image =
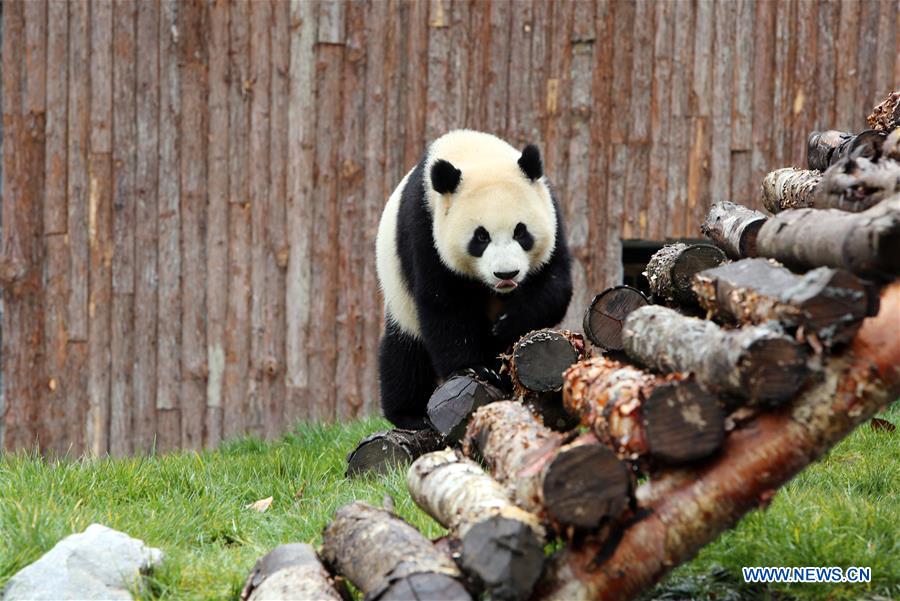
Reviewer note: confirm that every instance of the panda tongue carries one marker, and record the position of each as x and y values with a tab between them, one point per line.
506	284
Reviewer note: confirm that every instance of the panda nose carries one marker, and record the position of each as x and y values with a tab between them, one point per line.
506	275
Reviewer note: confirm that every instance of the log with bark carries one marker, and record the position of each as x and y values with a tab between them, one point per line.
825	148
386	558
606	314
644	416
866	243
292	571
671	270
499	544
886	116
686	509
455	400
381	452
789	188
857	183
759	364
536	365
733	228
579	483
826	303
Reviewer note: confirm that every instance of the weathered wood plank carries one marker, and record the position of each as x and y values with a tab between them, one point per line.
849	114
499	56
804	82
870	90
679	150
886	53
785	50
521	119
655	202
722	96
698	174
635	219
415	93
763	89
827	28
55	212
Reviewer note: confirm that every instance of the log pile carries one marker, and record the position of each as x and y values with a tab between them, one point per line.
762	351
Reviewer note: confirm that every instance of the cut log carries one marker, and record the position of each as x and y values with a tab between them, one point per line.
759	364
606	314
866	243
789	188
671	270
500	545
579	483
687	509
856	184
826	303
733	228
386	558
382	451
886	116
291	571
642	415
536	367
455	400
825	148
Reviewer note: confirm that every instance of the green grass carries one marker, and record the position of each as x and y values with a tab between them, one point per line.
842	511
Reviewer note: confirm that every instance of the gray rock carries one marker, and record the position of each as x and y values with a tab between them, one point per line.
99	563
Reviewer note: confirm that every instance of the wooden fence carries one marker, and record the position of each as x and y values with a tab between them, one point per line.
191	189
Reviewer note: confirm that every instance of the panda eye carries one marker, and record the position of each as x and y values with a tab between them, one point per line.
520	231
482	235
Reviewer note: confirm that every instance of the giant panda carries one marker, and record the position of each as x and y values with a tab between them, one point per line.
470	255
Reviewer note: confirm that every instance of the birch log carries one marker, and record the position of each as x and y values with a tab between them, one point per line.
856	184
825	148
759	364
643	415
886	116
687	509
579	483
382	451
866	243
789	188
291	571
733	228
387	559
672	268
826	303
455	400
606	314
500	545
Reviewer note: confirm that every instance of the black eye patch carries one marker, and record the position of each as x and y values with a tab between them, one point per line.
523	237
480	240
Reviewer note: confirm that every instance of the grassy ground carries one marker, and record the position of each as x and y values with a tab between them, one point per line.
843	511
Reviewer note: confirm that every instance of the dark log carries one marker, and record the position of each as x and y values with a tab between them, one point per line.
757	363
866	243
500	545
687	509
386	558
789	188
579	483
291	571
671	270
733	228
455	400
607	312
886	116
825	148
826	303
857	183
382	451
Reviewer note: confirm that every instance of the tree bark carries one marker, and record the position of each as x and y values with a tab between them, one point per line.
642	415
455	400
291	571
825	148
671	270
866	243
501	545
382	451
579	483
606	314
386	558
856	184
827	304
789	188
733	228
687	509
758	364
886	116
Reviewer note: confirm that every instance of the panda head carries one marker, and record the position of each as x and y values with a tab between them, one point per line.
493	215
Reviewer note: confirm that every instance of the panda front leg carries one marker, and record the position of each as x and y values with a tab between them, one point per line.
407	378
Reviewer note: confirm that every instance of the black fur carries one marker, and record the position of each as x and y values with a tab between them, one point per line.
530	162
445	177
453	312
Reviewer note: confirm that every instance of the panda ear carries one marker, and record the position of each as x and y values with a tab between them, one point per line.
445	177
530	163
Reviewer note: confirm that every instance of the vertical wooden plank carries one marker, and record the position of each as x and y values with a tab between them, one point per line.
656	217
679	148
634	224
499	51
781	76
886	53
237	334
558	100
763	89
143	415
217	219
477	38
168	365
722	90
415	91
350	359
826	56
701	120
522	125
742	102
848	113
867	61
57	98
437	117
124	150
300	178
100	228
804	82
193	75
457	101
